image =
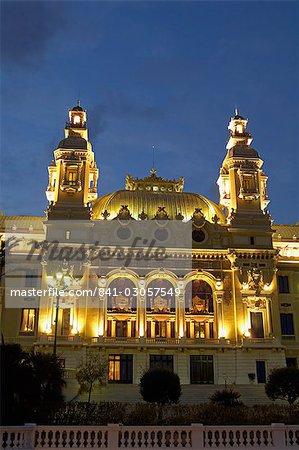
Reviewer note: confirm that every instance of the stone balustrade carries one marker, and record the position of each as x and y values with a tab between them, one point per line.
114	436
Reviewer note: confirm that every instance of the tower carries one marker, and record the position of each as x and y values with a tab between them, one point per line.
242	183
73	173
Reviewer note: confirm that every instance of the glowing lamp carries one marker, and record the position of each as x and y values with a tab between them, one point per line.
76	120
50	280
59	276
67	280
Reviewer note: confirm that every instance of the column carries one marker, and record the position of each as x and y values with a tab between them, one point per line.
102	321
141	310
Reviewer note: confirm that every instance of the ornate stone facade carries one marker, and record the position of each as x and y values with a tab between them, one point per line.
237	308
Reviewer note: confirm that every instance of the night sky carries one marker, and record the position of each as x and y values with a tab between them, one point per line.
167	74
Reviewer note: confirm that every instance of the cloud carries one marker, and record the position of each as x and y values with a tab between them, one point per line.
26	28
116	105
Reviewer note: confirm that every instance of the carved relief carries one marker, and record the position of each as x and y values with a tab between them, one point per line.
255	303
124	213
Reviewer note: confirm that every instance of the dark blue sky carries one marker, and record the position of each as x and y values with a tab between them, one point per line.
149	73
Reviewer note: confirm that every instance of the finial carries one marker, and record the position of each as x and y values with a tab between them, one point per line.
78	103
236	111
153	148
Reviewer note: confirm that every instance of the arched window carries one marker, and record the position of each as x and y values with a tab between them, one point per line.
121	295
160	296
199	297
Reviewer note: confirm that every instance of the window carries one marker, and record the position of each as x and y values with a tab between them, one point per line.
257	327
251	240
160	329
30	280
120	369
28	321
66	322
199	298
201	369
283	284
164	361
261	371
291	362
287	324
72	177
121	328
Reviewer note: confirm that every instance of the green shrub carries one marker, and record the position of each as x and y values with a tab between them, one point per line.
226	397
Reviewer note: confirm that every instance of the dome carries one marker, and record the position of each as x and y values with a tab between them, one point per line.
73	143
77	108
148	202
243	151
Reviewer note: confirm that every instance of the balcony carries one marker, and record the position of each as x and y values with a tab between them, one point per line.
161	342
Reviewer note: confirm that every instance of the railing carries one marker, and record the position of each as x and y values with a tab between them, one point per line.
112	437
161	340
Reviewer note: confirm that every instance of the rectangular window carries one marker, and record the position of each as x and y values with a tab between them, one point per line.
257	326
251	240
287	324
261	371
165	361
201	369
28	321
109	328
149	329
160	329
72	177
121	328
66	322
30	280
187	330
120	369
291	362
199	330
133	328
172	329
283	284
211	325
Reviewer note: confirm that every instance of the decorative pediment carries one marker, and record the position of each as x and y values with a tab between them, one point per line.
256	303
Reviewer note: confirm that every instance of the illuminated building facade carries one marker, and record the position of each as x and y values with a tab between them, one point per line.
235	314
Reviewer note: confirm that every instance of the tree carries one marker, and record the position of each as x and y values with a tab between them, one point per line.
160	386
48	376
283	384
226	397
93	371
31	383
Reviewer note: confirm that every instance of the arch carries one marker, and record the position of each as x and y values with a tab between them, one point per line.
121	294
202	275
121	272
161	273
198	297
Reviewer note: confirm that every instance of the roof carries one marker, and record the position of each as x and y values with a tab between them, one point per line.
77	108
148	202
73	142
285	232
22	223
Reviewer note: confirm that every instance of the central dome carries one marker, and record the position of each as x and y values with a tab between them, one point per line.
146	196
